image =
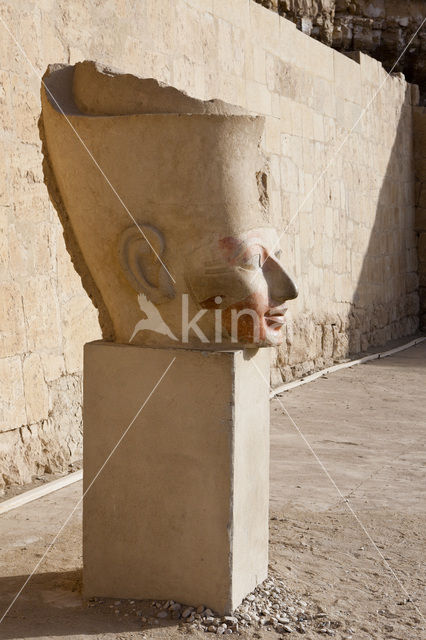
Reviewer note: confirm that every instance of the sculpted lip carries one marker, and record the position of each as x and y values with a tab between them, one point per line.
275	316
274	320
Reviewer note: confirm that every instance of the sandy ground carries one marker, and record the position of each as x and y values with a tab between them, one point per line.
348	518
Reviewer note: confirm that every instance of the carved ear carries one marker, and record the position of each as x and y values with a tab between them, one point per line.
140	252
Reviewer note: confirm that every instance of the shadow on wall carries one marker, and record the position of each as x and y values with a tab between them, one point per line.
375	260
419	136
385	305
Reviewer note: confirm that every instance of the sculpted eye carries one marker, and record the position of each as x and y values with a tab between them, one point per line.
253	262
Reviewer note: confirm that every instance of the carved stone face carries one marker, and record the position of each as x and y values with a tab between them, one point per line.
244	274
165	210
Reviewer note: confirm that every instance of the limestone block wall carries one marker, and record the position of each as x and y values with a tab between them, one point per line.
381	28
419	133
343	192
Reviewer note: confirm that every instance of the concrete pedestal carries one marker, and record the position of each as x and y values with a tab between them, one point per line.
180	511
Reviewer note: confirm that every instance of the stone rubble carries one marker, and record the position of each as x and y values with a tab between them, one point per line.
271	606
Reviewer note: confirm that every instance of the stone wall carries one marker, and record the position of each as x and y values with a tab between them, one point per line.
381	28
346	197
419	131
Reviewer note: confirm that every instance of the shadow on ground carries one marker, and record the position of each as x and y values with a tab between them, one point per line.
52	605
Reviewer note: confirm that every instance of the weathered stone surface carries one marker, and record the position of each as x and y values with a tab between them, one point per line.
412	304
419	143
423	300
65	398
355	341
381	29
41	312
47	446
79	320
412	282
35	389
420	223
327	341
340	344
422	247
12	334
12	400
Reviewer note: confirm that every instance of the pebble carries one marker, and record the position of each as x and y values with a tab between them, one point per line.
270	607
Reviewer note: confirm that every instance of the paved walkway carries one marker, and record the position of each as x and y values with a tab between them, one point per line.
366	426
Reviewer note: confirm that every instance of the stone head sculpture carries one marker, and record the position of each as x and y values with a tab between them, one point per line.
164	204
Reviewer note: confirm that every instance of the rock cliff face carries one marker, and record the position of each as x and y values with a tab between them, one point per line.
381	28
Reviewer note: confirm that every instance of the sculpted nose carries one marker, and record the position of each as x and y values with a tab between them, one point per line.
281	285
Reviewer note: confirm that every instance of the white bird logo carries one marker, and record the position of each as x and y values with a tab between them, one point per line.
153	320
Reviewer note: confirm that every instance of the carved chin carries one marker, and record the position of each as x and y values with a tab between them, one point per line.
274	336
270	331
